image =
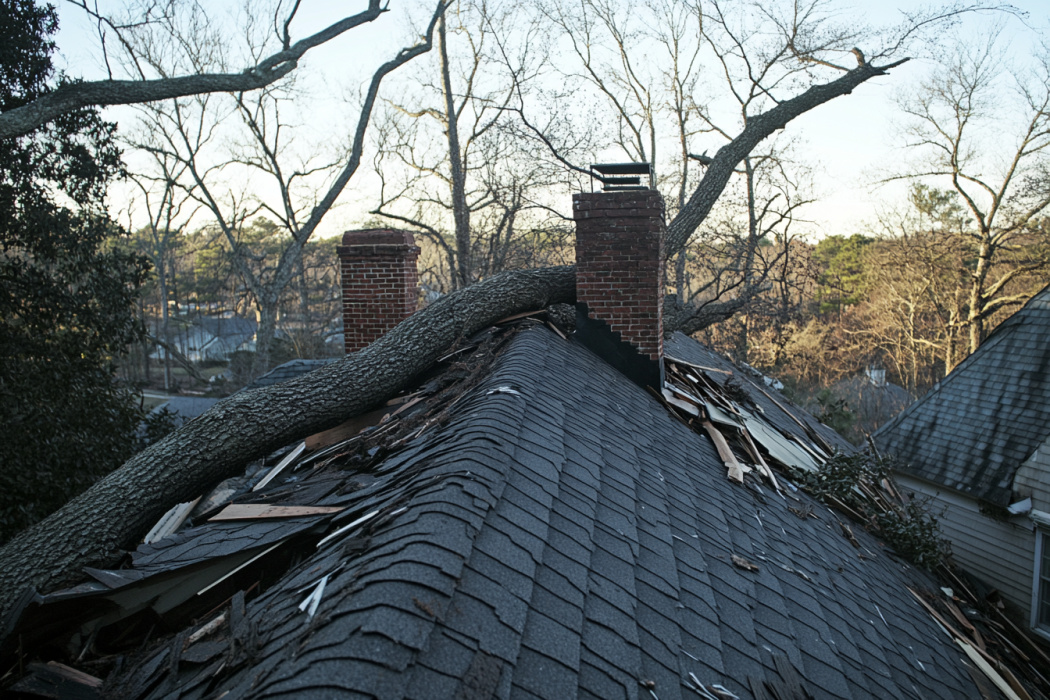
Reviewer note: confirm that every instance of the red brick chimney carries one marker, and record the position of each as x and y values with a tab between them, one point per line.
620	280
379	281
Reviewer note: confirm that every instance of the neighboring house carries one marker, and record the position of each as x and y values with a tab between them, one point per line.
213	338
979	444
872	399
530	522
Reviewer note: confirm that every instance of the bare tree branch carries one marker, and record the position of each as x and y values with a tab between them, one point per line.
71	96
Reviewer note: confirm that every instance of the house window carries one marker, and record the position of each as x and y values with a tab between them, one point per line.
1041	592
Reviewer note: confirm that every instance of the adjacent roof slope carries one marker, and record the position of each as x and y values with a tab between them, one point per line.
873	404
186	407
227	326
562	536
976	427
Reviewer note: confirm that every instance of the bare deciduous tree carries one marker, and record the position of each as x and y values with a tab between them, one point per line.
181	129
958	119
450	165
145	88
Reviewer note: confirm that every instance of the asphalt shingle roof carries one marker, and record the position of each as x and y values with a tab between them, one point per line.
567	538
974	429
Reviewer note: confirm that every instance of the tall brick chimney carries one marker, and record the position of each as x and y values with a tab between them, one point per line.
379	282
620	280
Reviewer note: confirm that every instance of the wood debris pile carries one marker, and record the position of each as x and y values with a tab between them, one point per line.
1014	663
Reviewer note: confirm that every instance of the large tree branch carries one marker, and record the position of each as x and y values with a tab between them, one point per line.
114	513
22	120
758	128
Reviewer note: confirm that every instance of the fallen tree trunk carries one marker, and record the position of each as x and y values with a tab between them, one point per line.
94	528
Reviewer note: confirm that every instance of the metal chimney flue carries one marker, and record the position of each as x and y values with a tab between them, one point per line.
617	177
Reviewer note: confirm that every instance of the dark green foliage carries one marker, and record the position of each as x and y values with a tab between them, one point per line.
856	481
841	281
65	293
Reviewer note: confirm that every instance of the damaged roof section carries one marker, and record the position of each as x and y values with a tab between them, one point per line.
538	528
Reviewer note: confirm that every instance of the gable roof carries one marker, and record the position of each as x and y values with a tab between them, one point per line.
974	429
559	536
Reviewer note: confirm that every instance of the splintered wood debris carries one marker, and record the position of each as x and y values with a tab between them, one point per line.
170	521
309	605
253	511
702	402
995	670
741	432
742	563
289	458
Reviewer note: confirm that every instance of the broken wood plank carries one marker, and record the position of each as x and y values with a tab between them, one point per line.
345	430
230	573
1035	647
992	674
975	634
288	459
171	521
258	511
956	634
401	399
686	406
762	466
736	473
806	430
515	317
696	366
74	675
346	528
405	406
668	386
207	629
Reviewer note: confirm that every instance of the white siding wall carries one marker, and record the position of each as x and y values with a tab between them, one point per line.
1000	553
1034	477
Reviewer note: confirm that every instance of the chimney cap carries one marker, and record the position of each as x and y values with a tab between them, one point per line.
378	236
621	176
